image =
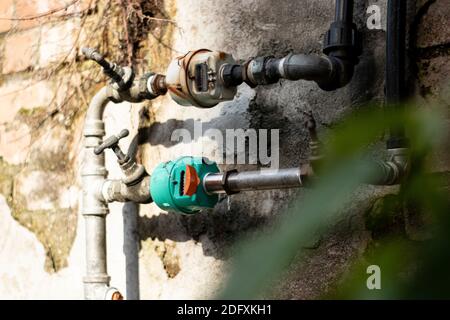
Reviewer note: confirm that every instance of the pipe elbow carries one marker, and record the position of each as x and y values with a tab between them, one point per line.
341	75
98	104
392	171
329	72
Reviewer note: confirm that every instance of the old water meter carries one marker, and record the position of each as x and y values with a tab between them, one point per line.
196	79
177	185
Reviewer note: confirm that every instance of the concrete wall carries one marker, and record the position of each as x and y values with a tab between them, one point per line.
154	254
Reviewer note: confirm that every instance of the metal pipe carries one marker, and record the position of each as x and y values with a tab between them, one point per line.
116	73
395	66
344	11
117	190
306	67
252	180
95	209
133	187
393	170
388	172
330	72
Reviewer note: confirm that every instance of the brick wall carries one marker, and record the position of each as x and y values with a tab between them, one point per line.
45	87
39	124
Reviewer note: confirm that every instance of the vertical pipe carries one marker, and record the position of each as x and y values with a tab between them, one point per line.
395	66
95	209
130	213
344	11
341	45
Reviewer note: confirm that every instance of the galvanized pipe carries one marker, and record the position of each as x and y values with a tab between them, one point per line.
117	190
307	67
252	180
95	209
133	187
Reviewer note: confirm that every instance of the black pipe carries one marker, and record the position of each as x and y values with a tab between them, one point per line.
341	38
330	72
344	11
341	45
395	67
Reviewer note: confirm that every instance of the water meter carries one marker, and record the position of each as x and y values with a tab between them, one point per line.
197	78
177	185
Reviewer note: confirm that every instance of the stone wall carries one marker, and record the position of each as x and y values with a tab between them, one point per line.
45	86
44	91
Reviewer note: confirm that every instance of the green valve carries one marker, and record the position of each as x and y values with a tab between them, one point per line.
177	186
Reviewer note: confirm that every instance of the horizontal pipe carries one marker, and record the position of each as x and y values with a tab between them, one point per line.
385	173
268	70
306	67
330	72
252	180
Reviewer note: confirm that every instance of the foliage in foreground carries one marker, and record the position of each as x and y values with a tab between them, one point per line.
261	261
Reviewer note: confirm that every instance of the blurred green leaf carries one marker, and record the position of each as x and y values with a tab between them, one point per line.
261	261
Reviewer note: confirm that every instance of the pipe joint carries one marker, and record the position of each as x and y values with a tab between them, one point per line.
99	289
233	74
341	74
394	169
93	128
263	71
117	190
329	72
147	87
341	40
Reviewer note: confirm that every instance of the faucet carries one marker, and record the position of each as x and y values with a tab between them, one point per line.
135	186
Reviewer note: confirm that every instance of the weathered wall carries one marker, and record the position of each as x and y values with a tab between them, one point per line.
153	254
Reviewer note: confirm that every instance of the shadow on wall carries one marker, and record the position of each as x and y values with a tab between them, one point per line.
222	227
160	133
281	106
224	224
